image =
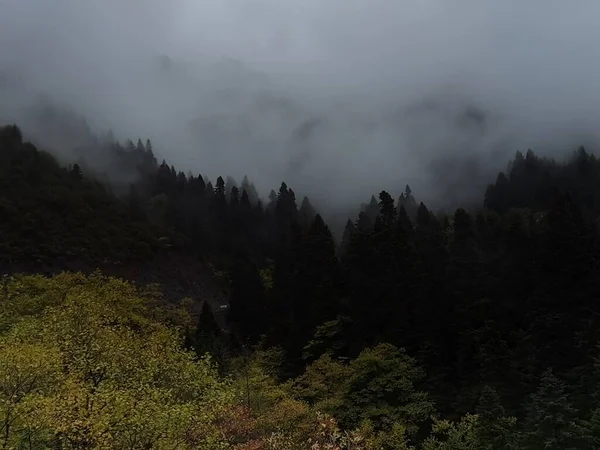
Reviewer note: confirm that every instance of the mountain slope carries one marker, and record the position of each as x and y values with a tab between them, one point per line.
53	218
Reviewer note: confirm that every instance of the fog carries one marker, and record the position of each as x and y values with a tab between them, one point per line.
339	98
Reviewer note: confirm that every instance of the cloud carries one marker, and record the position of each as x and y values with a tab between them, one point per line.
340	98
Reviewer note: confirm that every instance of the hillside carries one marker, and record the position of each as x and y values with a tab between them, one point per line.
55	218
476	329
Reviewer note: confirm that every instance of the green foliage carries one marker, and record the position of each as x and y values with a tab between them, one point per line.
550	423
464	300
448	435
266	276
494	429
92	368
53	214
379	386
328	338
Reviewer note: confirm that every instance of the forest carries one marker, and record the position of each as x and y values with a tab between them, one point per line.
170	311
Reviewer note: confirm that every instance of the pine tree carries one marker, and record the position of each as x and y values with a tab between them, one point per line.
207	325
272	200
591	430
550	421
247	308
129	146
408	202
387	210
346	237
234	199
245	202
306	213
230	183
139	147
495	431
207	332
220	217
372	209
250	189
76	172
465	282
316	280
219	190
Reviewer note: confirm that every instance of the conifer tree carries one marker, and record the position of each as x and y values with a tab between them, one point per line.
550	421
306	213
76	172
495	431
247	311
346	237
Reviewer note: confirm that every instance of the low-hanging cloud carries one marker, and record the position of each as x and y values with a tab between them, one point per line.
340	98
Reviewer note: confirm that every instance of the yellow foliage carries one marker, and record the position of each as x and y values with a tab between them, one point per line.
84	364
266	276
91	362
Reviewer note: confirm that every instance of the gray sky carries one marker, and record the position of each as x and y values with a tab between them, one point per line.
337	97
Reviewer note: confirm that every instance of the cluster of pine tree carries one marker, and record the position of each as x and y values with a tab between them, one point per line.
492	311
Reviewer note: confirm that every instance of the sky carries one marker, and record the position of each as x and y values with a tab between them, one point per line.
339	98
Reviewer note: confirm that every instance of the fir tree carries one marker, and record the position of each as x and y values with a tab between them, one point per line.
247	311
550	421
495	431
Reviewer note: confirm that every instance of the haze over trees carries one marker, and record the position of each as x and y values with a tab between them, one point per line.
475	329
312	93
276	225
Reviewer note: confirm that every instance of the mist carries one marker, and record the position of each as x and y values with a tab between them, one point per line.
339	98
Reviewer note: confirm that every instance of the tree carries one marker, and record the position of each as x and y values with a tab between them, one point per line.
234	200
372	209
346	237
229	185
26	371
247	307
139	147
495	431
447	435
467	312
387	211
76	172
207	325
315	281
285	209
382	388
408	202
250	190
306	213
219	190
219	209
93	368
550	421
379	386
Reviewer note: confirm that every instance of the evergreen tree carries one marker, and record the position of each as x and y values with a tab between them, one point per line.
387	210
139	147
550	421
149	147
346	237
372	209
247	309
230	183
250	189
495	431
234	199
76	172
315	281
306	213
207	325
